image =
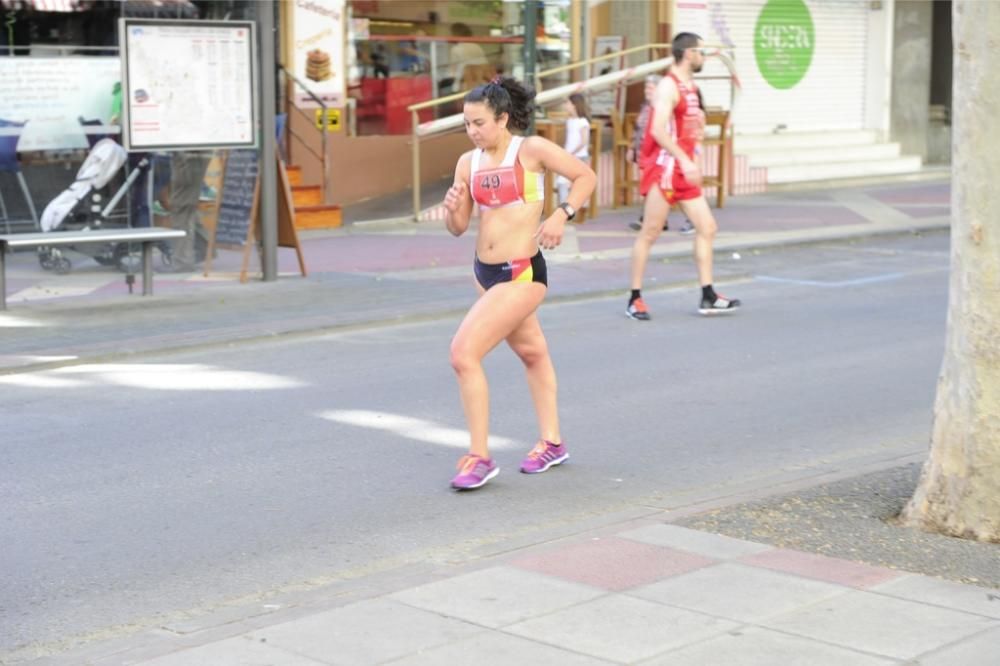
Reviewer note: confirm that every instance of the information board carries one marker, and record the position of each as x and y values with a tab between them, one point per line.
238	201
188	85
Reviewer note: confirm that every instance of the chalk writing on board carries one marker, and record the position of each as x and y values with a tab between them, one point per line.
236	206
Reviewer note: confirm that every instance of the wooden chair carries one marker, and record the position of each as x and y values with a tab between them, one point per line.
596	141
625	182
619	151
722	180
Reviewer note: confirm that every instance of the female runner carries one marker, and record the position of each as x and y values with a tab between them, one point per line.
504	176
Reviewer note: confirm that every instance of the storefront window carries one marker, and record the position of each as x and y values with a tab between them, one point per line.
403	52
62	161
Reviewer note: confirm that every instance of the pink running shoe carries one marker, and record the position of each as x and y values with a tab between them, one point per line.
474	471
544	455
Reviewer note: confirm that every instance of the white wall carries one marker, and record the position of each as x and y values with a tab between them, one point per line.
878	87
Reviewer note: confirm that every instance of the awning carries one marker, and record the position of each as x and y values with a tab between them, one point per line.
176	9
165	9
48	5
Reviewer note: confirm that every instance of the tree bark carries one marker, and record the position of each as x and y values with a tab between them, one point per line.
959	489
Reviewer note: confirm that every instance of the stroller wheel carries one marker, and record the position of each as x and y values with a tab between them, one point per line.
62	265
47	258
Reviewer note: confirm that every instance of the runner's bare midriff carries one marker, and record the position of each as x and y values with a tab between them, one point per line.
508	233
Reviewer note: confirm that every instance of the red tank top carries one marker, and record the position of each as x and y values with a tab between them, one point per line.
685	127
509	184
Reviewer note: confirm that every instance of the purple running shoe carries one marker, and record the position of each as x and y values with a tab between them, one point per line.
474	471
544	455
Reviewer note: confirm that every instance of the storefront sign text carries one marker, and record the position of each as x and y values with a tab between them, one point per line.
784	42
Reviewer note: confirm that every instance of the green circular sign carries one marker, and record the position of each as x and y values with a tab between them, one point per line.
783	42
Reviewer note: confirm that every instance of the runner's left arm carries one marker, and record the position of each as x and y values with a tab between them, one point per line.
548	156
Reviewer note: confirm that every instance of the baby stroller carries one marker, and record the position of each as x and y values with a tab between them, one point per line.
81	206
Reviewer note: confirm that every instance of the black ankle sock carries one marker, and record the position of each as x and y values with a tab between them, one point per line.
635	295
708	293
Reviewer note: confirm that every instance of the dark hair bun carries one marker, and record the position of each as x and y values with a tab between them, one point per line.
506	95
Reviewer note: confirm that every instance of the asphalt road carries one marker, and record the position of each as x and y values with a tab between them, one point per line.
138	491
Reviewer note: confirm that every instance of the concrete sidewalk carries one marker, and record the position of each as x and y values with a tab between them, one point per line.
638	592
625	588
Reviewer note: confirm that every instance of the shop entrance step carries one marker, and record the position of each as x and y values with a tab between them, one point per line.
307	195
319	216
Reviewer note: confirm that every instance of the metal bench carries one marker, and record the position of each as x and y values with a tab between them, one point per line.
146	236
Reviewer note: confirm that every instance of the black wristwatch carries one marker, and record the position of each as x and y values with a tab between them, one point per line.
569	210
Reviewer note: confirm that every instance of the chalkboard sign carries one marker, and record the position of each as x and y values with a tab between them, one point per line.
238	210
238	203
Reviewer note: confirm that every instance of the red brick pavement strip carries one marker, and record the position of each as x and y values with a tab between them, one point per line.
617	564
381	252
924	211
786	217
925	193
820	567
612	563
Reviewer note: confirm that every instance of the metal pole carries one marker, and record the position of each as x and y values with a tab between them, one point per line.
432	127
415	151
434	69
3	276
530	54
268	167
150	196
147	268
324	161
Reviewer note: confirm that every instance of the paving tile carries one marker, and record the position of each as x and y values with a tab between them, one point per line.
980	650
367	632
493	648
820	567
239	651
621	628
497	596
881	625
738	592
611	563
968	598
695	541
754	646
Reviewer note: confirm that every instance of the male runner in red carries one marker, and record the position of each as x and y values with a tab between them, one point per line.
670	175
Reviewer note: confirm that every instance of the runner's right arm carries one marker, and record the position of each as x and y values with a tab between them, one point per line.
458	198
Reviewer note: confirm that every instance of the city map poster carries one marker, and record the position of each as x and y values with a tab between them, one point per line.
188	85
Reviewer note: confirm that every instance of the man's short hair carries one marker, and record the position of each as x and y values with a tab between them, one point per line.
682	42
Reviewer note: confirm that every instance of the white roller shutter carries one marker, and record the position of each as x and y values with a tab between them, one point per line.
830	96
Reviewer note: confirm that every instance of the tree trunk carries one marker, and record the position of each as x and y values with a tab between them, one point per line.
959	490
